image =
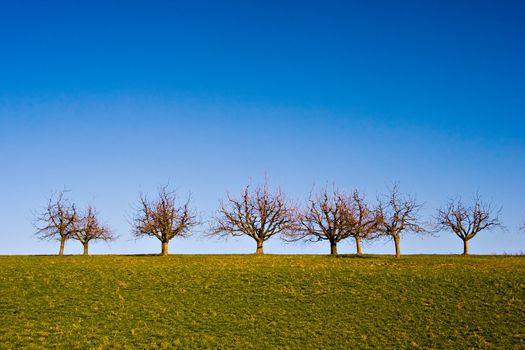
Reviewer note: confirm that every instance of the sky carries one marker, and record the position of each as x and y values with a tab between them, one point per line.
108	99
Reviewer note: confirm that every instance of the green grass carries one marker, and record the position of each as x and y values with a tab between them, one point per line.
251	301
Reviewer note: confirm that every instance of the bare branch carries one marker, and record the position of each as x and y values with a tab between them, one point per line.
162	218
467	221
398	214
335	216
57	220
362	221
257	213
88	227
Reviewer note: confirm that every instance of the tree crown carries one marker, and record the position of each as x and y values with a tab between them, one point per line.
163	218
466	221
58	219
259	214
398	213
89	227
326	216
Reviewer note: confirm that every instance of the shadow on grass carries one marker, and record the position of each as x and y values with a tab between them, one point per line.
354	256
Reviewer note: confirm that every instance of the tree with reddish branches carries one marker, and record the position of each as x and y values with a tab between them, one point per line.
259	213
88	228
163	218
325	218
362	221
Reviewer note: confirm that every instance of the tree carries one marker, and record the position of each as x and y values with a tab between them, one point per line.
361	221
325	218
467	221
88	228
57	220
398	214
259	214
163	218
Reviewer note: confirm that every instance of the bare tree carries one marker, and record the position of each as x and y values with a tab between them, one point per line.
325	218
163	218
398	214
57	220
362	221
259	214
88	228
467	221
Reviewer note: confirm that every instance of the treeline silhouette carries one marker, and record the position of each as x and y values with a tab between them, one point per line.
260	213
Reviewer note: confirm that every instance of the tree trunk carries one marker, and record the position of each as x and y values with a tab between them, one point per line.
358	245
465	247
164	251
398	249
259	248
62	243
333	248
86	248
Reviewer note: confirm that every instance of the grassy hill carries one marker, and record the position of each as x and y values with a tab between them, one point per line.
247	301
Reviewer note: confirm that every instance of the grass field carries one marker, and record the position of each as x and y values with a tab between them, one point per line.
247	301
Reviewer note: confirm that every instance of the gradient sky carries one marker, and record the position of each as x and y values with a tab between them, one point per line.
109	98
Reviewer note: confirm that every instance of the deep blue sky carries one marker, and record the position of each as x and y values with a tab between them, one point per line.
111	98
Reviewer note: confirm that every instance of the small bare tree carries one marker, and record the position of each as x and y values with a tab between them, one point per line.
362	221
325	218
57	220
259	214
163	218
88	228
467	221
398	214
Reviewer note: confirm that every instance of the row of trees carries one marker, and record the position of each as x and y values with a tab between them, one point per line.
259	213
61	220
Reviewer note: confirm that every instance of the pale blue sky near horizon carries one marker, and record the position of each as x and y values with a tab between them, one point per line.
108	99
